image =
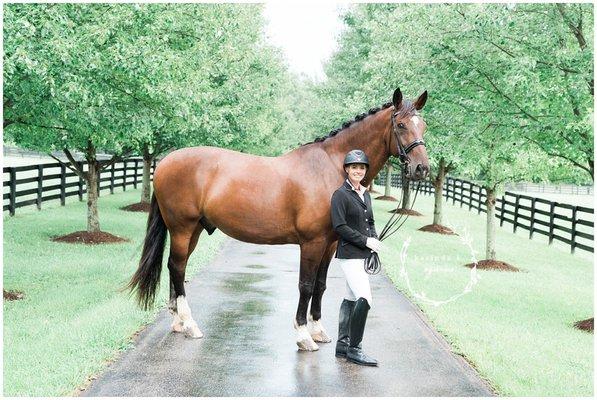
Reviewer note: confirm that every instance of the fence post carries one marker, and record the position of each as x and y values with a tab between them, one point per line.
124	175
99	181
80	187
40	182
532	227
62	184
112	179
516	205
502	210
552	208
573	233
447	185
135	174
13	189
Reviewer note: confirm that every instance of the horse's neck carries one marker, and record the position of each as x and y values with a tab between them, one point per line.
369	135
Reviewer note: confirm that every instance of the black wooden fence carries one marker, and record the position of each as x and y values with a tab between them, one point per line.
35	184
566	223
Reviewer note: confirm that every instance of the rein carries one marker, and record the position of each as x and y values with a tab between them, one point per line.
372	263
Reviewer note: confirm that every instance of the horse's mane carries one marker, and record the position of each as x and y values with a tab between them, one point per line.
406	108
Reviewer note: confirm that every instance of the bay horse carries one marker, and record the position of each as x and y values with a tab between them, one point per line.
269	200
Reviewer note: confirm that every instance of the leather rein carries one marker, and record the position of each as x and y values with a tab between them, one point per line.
372	263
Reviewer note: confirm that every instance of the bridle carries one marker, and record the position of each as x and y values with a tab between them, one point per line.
403	151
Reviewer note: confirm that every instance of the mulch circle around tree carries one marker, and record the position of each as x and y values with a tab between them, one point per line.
406	211
494	264
585	325
11	295
387	198
437	228
89	238
137	207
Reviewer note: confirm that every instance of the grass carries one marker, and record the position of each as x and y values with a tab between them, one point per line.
514	327
73	318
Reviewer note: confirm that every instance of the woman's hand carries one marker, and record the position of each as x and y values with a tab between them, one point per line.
374	244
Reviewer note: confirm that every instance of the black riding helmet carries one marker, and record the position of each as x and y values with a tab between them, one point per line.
356	157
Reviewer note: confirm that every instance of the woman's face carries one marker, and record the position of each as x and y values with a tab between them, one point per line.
356	172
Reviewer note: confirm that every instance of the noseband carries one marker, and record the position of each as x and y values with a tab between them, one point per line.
403	151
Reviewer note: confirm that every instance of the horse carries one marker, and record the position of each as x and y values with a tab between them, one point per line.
269	200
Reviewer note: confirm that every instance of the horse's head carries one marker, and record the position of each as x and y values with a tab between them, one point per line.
407	129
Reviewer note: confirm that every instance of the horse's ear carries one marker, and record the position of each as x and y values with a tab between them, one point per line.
397	98
420	102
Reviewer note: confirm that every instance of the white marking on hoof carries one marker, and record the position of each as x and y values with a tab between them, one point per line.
177	325
303	339
191	330
316	331
189	326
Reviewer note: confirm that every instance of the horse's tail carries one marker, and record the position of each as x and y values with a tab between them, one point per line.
147	277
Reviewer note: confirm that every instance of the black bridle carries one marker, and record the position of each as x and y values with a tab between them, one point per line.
403	151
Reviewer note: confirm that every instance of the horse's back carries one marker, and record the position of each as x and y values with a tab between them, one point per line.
246	196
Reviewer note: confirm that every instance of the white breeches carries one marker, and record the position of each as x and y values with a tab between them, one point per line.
357	280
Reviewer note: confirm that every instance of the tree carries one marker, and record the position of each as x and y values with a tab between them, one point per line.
142	78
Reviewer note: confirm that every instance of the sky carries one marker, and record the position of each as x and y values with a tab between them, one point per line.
306	32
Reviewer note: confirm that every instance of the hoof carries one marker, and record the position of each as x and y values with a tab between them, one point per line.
192	331
321	337
317	332
307	344
177	327
304	341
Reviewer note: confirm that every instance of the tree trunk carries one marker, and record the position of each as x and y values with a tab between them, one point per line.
405	190
438	184
388	191
93	224
490	203
146	184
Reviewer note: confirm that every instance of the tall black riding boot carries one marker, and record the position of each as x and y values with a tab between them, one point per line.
357	327
343	327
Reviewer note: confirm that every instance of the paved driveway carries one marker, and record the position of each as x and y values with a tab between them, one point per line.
244	302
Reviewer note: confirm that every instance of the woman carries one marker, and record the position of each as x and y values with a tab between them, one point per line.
352	220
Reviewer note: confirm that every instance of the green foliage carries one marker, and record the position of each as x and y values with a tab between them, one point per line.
136	75
510	86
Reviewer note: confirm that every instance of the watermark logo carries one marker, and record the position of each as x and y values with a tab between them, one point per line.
467	241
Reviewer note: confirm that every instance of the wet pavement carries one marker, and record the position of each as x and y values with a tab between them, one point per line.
245	302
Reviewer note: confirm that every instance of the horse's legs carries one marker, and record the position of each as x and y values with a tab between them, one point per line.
182	245
311	254
314	325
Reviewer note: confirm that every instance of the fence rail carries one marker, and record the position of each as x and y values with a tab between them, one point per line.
566	223
35	184
550	188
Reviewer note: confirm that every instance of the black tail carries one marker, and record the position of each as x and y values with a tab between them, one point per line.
147	277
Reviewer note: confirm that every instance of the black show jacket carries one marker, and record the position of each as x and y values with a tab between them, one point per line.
353	221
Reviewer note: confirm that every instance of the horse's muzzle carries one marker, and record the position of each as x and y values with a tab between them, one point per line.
420	172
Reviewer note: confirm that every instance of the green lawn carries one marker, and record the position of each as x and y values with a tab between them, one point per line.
73	319
515	327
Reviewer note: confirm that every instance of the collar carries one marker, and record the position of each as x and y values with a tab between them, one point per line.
361	192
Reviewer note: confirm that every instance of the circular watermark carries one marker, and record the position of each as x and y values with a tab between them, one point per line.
467	241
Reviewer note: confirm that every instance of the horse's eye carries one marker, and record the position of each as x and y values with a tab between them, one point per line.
401	125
